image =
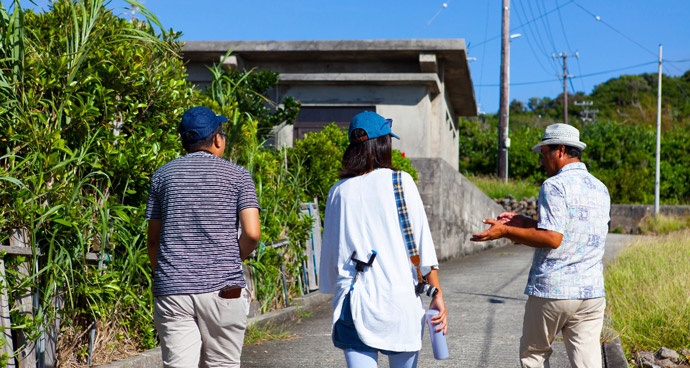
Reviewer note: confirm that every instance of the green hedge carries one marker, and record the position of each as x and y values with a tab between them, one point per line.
622	156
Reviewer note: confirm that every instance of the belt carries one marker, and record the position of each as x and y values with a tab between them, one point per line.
230	293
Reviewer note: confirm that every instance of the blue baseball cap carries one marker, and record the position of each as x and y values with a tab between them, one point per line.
200	120
373	124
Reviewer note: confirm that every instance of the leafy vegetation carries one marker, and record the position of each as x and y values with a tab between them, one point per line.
255	334
621	140
89	109
620	155
85	101
320	154
498	188
663	224
647	298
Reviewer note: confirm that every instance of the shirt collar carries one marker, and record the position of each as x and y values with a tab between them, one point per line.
573	166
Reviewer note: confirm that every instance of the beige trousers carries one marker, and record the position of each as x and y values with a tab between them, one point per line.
201	330
579	321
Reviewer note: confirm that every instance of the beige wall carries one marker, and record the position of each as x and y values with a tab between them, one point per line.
420	123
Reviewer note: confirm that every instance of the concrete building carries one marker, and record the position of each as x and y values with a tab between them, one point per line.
423	85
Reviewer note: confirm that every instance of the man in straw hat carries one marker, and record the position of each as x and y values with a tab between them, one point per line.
565	287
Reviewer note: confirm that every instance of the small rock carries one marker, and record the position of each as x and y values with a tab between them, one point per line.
665	353
666	363
645	359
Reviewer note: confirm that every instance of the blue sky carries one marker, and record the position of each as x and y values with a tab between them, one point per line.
611	38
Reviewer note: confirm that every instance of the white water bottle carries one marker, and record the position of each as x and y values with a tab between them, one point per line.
438	339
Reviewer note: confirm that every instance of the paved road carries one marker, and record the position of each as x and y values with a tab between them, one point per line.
483	294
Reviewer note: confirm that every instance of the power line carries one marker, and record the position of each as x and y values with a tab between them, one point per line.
486	30
567	43
443	7
573	77
615	70
598	18
546	24
537	41
524	24
565	34
676	61
520	83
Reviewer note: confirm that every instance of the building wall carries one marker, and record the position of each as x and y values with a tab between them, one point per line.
455	209
421	118
420	122
626	218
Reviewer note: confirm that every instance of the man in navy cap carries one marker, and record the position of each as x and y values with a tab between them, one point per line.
565	286
195	205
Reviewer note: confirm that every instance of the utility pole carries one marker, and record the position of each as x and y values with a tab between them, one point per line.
657	178
586	111
503	140
565	76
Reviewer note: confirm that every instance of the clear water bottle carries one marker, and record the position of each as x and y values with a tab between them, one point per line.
438	339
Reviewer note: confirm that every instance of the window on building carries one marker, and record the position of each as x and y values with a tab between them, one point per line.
314	118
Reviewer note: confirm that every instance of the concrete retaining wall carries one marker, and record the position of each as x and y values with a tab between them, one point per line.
455	208
625	218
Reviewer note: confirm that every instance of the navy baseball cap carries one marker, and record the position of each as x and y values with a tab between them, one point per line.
200	120
373	124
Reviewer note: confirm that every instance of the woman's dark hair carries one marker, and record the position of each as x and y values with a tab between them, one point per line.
190	145
361	157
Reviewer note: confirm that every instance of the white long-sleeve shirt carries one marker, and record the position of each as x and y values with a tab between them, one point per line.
361	216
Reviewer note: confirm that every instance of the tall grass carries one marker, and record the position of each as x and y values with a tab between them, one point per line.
498	188
663	224
648	293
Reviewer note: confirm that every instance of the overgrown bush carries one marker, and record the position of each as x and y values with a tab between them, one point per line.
319	156
89	103
620	155
89	108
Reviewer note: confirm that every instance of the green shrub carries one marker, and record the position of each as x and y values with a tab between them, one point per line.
478	146
663	224
89	108
319	157
497	188
622	156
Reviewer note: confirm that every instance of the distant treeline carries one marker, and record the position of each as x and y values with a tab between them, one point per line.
620	137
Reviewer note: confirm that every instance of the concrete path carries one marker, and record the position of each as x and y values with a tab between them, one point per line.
483	293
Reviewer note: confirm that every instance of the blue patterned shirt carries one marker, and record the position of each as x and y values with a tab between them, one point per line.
577	205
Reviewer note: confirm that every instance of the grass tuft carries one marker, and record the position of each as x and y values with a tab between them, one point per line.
647	288
496	188
255	334
663	224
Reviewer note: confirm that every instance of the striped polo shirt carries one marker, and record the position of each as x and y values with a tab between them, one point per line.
198	198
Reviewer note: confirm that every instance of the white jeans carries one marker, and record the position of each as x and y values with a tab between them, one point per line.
201	330
580	322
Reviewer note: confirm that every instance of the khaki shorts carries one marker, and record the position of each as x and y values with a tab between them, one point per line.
201	330
579	321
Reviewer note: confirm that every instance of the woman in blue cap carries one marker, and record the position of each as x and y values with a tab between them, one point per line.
365	261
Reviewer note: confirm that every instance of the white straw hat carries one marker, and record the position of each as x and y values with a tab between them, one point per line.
560	134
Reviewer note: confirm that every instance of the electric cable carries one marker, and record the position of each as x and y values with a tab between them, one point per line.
575	77
532	40
598	18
